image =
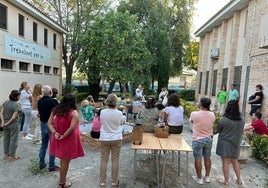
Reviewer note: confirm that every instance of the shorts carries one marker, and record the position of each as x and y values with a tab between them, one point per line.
202	147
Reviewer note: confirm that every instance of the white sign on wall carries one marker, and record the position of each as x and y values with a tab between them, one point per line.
20	49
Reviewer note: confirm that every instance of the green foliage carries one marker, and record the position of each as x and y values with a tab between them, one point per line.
34	168
114	49
266	182
82	88
188	95
68	88
217	119
191	55
259	147
81	96
166	27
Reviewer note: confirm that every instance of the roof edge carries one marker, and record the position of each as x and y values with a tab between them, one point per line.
37	13
221	15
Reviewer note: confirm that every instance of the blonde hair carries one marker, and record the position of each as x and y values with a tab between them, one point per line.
37	90
84	103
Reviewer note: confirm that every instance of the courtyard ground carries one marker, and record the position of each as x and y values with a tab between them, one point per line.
84	172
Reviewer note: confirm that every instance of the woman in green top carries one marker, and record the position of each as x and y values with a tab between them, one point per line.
222	97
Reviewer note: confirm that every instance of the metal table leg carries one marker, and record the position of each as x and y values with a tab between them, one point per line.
163	173
179	163
186	169
157	168
134	167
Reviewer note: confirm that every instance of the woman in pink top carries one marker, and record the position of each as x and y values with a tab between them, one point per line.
96	125
202	121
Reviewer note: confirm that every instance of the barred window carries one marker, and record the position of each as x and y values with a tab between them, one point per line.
3	16
215	76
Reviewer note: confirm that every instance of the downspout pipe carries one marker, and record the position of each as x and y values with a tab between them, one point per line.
249	59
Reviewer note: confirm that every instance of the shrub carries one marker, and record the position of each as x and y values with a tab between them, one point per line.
187	95
81	89
81	96
259	147
68	88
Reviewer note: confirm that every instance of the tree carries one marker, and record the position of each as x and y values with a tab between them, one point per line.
191	56
166	25
114	49
75	16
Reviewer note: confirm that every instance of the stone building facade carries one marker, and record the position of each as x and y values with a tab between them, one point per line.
234	49
30	47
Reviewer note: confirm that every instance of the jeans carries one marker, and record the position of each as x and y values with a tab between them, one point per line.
202	147
36	120
27	119
254	108
45	134
107	146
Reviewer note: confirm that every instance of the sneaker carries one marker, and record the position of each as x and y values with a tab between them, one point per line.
38	143
102	184
42	167
207	179
55	169
30	135
197	180
27	138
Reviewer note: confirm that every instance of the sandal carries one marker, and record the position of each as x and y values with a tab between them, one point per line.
223	182
6	157
13	158
115	184
239	182
64	185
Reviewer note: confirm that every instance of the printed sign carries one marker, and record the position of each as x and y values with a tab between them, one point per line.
20	49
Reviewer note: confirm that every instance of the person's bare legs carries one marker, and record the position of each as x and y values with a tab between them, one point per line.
207	165
236	168
198	167
64	166
225	169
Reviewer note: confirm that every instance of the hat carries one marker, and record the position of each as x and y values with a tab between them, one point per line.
160	106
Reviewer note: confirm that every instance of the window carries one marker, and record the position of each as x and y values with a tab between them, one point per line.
56	71
207	79
24	66
224	77
34	31
45	37
36	68
215	74
3	16
7	64
47	69
54	41
21	25
237	76
200	82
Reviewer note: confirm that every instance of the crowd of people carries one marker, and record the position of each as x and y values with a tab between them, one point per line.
56	126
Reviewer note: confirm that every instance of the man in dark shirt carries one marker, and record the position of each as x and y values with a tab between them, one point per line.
45	106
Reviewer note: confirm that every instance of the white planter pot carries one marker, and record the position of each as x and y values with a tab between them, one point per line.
244	152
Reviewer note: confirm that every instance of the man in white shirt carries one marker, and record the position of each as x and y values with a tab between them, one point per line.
139	91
